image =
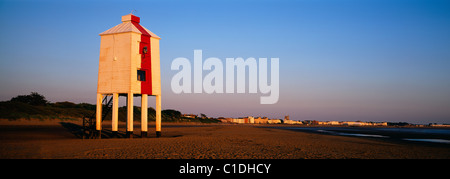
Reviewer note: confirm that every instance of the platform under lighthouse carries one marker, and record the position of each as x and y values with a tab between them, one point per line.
129	66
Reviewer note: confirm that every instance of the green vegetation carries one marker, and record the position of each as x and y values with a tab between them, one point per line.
35	106
33	99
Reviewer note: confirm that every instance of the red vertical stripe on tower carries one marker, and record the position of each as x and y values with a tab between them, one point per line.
146	61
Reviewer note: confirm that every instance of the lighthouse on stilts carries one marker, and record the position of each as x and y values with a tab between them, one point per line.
129	66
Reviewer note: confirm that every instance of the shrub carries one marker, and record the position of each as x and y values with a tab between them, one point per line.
33	99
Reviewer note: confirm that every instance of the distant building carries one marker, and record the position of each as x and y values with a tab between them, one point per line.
238	120
260	120
251	119
358	123
381	123
352	123
292	122
245	120
189	115
274	121
333	123
287	121
229	120
440	125
221	119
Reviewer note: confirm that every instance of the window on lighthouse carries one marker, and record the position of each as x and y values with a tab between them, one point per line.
141	75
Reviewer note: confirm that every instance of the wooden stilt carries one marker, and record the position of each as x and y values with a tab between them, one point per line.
144	117
158	115
130	115
98	116
115	114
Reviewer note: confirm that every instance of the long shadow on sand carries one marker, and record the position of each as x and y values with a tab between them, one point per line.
77	131
73	128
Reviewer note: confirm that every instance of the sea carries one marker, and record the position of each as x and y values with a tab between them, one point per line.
416	135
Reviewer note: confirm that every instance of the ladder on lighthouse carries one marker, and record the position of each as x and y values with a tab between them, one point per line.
89	122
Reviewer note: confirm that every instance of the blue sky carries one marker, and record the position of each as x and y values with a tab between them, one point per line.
368	60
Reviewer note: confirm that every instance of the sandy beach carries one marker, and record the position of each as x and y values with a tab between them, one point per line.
60	140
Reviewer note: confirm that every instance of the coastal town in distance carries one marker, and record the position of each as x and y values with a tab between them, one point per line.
286	120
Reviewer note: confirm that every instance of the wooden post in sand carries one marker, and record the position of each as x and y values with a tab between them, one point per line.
144	116
129	132
98	116
158	115
115	114
129	64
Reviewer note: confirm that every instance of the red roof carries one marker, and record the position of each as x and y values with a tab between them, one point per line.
130	23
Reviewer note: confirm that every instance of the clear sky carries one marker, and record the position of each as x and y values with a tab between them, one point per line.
368	60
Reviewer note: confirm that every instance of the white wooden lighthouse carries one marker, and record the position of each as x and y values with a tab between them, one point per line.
129	66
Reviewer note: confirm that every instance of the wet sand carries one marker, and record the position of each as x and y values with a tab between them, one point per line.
61	140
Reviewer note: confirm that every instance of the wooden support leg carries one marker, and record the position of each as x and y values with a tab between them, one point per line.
158	115
144	117
115	115
130	116
98	116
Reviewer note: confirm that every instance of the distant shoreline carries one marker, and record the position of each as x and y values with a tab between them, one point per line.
60	140
108	122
